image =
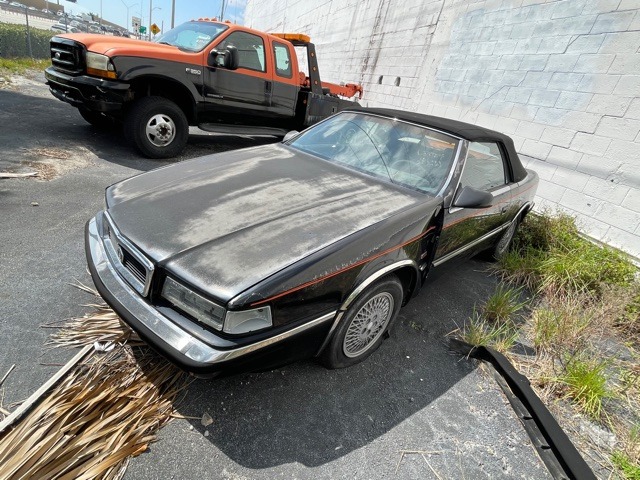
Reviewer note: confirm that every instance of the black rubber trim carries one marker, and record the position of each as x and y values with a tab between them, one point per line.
573	466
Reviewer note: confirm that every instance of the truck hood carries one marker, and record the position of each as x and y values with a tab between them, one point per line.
122	46
225	222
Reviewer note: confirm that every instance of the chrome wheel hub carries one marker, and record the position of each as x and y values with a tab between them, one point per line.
160	130
368	325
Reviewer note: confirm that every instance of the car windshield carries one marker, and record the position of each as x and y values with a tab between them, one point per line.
192	36
402	153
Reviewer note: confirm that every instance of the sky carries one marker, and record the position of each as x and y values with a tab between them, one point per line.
115	10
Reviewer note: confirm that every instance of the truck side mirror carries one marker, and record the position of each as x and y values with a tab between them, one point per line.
231	58
224	58
470	197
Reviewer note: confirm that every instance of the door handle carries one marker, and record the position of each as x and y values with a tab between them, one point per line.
504	209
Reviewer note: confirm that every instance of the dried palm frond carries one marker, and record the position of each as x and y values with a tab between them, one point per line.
101	414
100	325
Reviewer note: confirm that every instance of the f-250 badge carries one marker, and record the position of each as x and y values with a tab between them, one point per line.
193	71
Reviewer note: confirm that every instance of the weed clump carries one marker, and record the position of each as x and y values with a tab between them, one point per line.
495	323
549	254
586	384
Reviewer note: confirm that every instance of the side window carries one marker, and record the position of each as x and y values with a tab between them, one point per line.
283	60
484	167
250	50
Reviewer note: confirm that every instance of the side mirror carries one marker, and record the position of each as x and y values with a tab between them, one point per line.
470	197
290	135
231	58
224	58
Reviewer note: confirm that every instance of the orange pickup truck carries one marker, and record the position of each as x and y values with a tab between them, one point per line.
215	75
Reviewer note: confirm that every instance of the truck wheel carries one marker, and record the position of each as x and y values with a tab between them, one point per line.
97	119
157	127
363	326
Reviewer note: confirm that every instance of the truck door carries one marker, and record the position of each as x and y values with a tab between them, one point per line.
243	93
285	84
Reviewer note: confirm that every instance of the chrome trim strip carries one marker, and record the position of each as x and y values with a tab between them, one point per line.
330	334
452	169
143	289
502	190
527	206
372	278
357	291
166	331
468	246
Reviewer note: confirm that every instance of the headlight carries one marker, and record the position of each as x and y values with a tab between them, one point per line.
245	321
100	65
192	303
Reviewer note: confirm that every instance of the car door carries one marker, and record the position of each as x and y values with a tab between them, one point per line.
246	91
469	230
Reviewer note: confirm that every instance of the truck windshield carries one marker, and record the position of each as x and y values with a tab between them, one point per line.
402	153
192	36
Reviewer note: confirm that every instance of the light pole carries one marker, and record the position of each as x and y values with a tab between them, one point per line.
173	12
126	23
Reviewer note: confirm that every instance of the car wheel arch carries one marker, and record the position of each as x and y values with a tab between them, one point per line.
405	270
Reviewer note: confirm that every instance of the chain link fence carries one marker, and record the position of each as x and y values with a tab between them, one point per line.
24	40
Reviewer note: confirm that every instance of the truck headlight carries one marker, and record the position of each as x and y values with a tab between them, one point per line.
100	65
245	321
193	303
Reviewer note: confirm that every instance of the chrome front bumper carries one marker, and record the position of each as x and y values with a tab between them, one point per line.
181	347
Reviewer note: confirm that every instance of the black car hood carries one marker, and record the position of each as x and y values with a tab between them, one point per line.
224	222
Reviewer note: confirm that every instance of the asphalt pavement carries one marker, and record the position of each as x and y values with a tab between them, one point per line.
302	421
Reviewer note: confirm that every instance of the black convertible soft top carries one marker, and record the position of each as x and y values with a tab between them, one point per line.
470	132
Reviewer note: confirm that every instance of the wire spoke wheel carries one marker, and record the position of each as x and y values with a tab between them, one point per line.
160	130
368	324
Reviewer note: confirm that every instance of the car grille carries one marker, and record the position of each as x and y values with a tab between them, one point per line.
130	263
134	266
67	56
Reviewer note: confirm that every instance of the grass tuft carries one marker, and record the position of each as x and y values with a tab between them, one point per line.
628	468
493	325
480	332
586	384
503	305
561	325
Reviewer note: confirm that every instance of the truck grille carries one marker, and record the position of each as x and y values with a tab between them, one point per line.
67	55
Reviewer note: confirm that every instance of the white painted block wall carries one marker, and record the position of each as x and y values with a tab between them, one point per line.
561	77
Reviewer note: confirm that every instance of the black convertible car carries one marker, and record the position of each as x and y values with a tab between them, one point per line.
253	258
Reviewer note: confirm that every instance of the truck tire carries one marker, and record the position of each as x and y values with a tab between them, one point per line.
157	127
97	119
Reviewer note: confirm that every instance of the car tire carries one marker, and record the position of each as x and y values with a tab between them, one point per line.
503	245
364	325
157	127
97	119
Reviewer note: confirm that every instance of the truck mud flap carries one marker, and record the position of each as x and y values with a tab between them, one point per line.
551	442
